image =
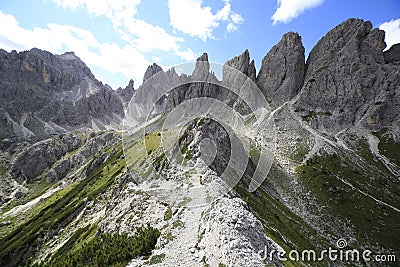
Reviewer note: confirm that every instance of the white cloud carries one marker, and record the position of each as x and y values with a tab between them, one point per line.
236	19
55	38
102	7
392	30
187	55
290	9
147	37
190	17
231	27
138	33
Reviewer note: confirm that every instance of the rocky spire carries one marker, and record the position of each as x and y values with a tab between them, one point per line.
203	57
282	70
151	70
243	64
127	93
251	72
202	68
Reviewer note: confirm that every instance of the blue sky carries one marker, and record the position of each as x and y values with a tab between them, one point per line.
118	39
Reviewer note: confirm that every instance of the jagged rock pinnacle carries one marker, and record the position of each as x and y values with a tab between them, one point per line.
243	64
203	57
151	70
282	70
201	71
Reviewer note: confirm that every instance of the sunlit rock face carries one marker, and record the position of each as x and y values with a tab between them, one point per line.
44	94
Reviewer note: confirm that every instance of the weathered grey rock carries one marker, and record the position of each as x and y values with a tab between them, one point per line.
193	90
393	54
127	93
35	159
150	95
51	154
201	84
228	229
350	42
19	194
347	82
96	163
60	170
202	69
43	94
151	70
242	63
92	146
239	76
282	70
251	72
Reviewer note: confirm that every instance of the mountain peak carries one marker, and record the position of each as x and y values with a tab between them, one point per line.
291	39
127	93
352	41
57	93
69	55
346	77
151	70
203	57
202	69
242	63
282	70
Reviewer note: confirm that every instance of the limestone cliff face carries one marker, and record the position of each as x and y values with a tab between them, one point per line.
151	70
150	96
163	90
201	83
392	55
282	70
347	81
127	93
44	94
242	63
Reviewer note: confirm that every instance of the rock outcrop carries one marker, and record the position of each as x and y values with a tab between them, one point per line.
44	94
347	81
242	63
35	159
202	83
163	90
150	97
127	93
392	55
202	68
282	70
239	232
151	70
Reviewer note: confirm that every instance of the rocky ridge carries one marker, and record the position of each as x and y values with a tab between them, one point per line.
348	82
44	94
282	70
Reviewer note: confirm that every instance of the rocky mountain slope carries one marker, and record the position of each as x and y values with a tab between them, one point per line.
44	94
190	170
